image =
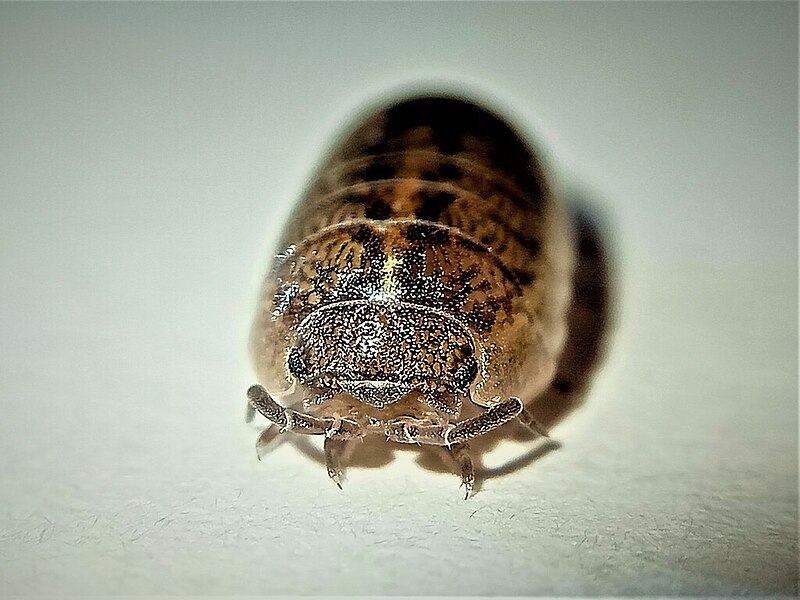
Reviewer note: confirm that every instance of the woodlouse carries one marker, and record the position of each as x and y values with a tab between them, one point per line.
421	287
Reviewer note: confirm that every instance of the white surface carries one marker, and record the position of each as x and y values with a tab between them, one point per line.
149	154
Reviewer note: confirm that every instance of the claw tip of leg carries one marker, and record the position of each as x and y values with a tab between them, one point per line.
336	478
254	391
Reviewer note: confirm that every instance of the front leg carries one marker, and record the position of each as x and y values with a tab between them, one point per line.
299	422
272	436
338	432
413	431
454	436
460	454
335	450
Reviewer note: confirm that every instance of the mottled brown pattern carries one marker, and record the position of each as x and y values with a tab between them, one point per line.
492	247
450	127
432	266
427	270
426	165
491	219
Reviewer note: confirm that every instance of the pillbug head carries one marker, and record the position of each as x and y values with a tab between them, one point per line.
380	352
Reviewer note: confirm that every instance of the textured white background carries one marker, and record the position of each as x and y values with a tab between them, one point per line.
148	154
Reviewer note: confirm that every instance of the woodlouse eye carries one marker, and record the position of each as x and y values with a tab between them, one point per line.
296	364
466	373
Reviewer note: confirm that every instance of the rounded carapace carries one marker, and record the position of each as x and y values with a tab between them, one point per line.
427	269
379	351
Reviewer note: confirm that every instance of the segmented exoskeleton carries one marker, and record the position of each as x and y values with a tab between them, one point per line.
420	288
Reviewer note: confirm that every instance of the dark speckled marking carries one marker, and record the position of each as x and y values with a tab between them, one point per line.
532	244
425	233
434	202
378	209
451	121
353	198
449	172
435	267
442	172
465	242
378	169
523	277
367	236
